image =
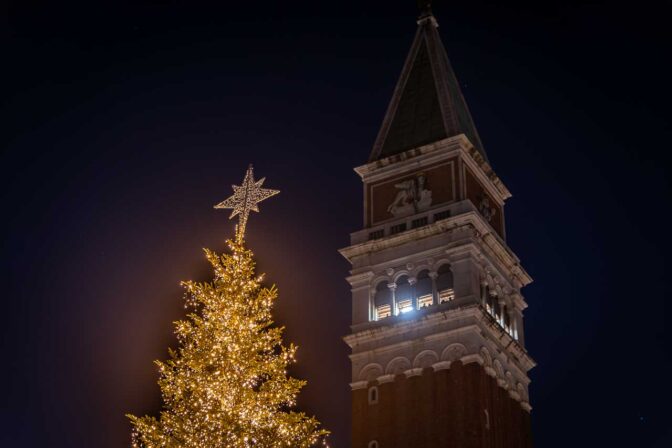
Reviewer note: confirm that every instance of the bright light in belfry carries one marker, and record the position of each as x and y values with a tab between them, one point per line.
406	309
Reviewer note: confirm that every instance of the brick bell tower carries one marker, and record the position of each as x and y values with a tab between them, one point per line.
438	347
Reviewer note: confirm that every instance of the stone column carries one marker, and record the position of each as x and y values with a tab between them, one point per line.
484	292
502	310
512	321
435	294
414	296
393	287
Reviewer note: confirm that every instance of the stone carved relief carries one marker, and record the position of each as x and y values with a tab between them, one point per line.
485	354
398	365
453	352
487	362
370	372
509	380
499	370
426	358
487	210
413	196
521	392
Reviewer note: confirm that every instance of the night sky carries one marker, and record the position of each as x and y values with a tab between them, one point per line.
124	123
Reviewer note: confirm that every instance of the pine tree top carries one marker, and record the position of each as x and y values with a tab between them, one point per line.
227	385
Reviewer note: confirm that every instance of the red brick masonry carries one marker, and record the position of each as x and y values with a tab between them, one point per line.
446	408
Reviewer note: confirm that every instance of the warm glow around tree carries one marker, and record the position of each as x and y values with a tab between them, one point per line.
227	383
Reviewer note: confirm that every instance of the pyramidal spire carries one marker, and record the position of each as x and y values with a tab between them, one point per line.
427	104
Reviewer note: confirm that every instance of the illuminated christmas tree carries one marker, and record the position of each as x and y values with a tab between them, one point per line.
227	384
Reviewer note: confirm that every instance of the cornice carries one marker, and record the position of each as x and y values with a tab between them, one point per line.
435	152
494	244
473	317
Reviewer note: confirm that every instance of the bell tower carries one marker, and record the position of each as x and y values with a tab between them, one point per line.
438	345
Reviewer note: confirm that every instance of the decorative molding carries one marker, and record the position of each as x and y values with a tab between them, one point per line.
516	390
359	278
453	352
489	244
370	372
522	392
398	365
400	273
439	150
420	157
425	358
385	379
441	365
358	385
441	325
473	358
417	371
513	394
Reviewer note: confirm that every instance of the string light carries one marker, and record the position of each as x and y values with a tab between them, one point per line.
227	385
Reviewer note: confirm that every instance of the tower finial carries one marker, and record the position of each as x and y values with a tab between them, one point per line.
425	7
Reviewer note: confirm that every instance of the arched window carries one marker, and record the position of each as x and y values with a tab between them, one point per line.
423	290
506	319
403	295
489	302
373	444
444	284
497	309
382	301
373	395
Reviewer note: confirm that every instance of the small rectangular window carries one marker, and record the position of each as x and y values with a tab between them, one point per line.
446	295
425	301
404	306
373	395
383	311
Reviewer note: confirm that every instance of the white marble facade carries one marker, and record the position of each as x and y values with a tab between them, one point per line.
484	271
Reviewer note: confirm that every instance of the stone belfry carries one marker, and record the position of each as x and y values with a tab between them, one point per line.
438	347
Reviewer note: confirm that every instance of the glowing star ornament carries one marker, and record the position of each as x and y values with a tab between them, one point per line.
227	386
245	198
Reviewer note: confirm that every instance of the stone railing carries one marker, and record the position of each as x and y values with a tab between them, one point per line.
399	225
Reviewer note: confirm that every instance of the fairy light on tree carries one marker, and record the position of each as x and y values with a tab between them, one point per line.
227	384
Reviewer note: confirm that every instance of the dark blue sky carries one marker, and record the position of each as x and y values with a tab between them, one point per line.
124	123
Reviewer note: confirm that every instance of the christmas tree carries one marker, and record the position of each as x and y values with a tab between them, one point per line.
227	384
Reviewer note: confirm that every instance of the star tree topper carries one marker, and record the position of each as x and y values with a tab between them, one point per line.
245	198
